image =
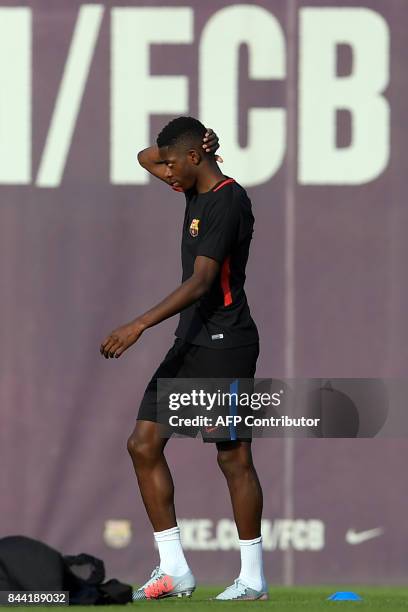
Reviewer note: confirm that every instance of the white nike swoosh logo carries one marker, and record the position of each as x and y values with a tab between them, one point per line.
352	537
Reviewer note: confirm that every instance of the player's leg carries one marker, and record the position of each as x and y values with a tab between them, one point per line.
146	446
172	577
235	461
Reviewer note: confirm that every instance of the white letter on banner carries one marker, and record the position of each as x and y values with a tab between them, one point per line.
15	95
135	94
222	36
70	95
322	93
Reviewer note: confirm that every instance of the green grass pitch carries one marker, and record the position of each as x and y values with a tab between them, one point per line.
282	599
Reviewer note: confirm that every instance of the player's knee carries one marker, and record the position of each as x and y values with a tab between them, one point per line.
234	462
142	452
132	445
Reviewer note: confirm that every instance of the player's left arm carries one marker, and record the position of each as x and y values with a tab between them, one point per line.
205	272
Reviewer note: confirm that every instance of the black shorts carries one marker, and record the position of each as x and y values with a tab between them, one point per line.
185	360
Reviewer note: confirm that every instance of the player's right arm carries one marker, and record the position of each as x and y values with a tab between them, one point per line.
150	160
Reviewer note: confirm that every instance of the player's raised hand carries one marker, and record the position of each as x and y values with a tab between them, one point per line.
120	339
211	143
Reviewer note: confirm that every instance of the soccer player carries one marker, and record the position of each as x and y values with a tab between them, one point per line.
216	338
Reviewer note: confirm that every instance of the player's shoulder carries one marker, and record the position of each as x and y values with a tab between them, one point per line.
229	189
239	191
234	196
230	199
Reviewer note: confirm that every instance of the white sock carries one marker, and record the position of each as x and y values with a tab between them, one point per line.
251	563
172	560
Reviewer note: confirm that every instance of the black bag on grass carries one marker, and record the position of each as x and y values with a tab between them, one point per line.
30	565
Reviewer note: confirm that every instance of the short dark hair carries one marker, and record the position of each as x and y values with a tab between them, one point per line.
185	130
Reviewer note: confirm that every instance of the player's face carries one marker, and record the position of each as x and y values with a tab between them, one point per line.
180	169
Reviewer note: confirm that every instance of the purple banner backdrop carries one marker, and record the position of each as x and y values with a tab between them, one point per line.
309	102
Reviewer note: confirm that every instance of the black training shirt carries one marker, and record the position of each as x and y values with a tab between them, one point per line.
218	224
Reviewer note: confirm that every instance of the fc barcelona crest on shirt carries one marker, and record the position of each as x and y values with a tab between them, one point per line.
194	227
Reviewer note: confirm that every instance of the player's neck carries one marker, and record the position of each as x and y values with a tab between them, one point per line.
209	178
